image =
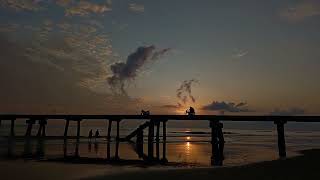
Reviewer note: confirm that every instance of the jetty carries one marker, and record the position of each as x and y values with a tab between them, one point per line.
153	123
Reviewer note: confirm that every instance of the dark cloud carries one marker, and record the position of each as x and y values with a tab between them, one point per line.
226	106
159	54
122	72
171	106
288	112
184	92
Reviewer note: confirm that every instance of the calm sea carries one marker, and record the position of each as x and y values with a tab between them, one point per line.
187	141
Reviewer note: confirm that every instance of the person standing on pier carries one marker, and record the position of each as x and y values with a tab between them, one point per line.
90	135
97	134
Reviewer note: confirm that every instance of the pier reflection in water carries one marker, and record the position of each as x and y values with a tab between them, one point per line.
30	153
84	151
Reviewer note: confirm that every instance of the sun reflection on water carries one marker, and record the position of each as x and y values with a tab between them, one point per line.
188	148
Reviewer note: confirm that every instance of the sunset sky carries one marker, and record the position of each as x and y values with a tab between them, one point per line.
121	56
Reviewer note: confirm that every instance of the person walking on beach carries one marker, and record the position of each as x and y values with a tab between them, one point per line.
90	135
97	134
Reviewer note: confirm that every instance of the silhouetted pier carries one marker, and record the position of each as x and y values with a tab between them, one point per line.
150	122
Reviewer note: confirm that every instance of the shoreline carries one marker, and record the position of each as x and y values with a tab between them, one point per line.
304	165
301	166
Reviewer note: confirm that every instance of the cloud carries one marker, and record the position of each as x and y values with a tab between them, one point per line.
63	3
288	112
226	106
240	54
19	5
69	47
125	71
301	11
7	28
184	92
84	8
137	8
159	54
171	106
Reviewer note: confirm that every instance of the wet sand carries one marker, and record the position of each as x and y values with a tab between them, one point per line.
305	166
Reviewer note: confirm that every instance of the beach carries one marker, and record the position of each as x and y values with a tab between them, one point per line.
304	166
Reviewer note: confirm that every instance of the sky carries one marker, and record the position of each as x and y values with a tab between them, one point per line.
121	56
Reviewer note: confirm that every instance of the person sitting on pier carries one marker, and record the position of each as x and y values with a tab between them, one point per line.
145	113
90	135
191	111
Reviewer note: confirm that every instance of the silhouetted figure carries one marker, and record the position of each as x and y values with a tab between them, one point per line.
90	135
97	134
145	113
191	111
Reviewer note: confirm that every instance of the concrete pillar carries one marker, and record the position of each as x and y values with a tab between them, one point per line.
30	123
12	128
215	158
42	128
39	131
77	154
65	147
281	138
109	139
140	143
151	140
158	140
66	128
164	139
117	140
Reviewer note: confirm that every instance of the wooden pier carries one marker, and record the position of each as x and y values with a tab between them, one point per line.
152	121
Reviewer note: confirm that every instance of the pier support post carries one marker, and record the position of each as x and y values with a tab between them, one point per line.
150	140
217	143
30	123
281	138
220	142
40	153
65	147
11	140
42	128
12	128
11	145
164	141
109	139
78	139
158	140
117	140
66	128
140	143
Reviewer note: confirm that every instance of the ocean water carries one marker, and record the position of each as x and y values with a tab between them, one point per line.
188	142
